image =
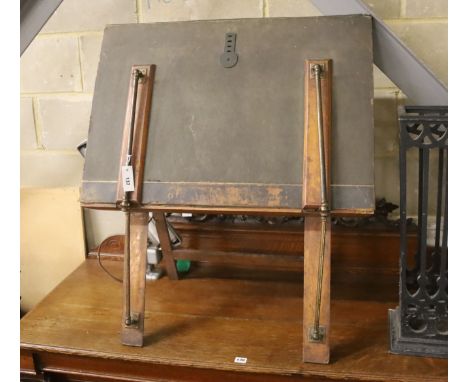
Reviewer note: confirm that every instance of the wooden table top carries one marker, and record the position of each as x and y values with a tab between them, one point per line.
207	319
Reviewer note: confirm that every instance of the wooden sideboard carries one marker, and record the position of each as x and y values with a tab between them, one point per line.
195	327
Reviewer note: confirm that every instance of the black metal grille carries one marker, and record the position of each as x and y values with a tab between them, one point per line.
419	326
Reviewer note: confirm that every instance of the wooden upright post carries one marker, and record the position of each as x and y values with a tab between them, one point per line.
133	334
317	352
166	245
128	195
316	196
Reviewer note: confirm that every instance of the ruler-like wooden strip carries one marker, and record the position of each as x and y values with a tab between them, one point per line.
316	351
140	133
133	335
311	167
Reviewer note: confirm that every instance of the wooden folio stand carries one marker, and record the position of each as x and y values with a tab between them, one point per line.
315	194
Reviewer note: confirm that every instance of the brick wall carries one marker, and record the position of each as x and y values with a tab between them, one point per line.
59	67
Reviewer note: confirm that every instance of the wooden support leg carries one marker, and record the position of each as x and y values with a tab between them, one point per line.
317	352
166	245
133	334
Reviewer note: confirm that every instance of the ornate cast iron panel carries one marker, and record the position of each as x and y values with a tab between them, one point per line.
419	326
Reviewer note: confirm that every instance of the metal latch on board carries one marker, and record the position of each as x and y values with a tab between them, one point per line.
229	58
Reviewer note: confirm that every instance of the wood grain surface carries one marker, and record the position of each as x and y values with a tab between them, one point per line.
196	327
166	245
140	133
351	261
133	335
311	165
316	351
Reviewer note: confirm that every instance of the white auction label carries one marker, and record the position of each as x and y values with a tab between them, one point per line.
127	179
241	360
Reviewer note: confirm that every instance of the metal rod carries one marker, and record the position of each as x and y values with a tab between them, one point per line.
444	250
323	171
424	191
403	214
316	335
125	205
128	315
417	263
440	189
137	75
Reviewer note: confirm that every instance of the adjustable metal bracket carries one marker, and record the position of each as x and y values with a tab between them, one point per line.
317	333
316	209
128	195
125	204
229	58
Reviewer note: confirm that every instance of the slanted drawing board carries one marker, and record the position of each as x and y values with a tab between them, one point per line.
234	137
248	116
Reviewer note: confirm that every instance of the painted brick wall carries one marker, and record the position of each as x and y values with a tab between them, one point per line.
59	68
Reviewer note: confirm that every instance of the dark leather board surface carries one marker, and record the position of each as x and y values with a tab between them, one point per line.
237	131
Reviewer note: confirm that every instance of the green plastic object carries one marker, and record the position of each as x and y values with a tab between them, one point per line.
183	266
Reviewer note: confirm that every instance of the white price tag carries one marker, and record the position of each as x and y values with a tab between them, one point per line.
241	360
127	179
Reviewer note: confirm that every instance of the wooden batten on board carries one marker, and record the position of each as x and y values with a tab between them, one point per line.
315	262
140	135
311	165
